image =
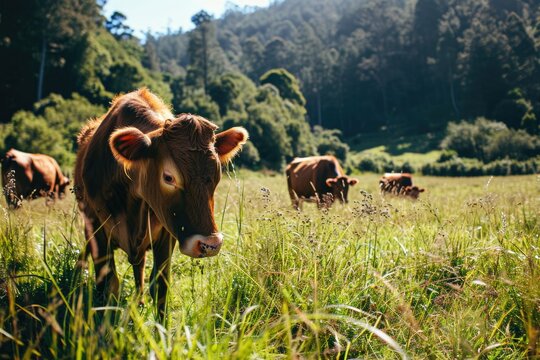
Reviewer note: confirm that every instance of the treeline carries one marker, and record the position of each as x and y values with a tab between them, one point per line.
66	62
365	65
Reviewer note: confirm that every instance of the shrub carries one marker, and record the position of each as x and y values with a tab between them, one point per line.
447	155
488	141
513	144
377	163
329	143
470	139
249	156
473	167
51	129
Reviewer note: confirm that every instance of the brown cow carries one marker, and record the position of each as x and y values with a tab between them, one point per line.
317	178
32	176
399	184
146	179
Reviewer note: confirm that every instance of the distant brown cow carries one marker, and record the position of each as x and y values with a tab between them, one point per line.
146	179
32	176
399	184
317	178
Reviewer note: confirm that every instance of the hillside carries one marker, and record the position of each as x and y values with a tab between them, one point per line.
304	77
367	65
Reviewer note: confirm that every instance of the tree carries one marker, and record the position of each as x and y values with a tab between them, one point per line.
117	27
39	41
202	22
286	83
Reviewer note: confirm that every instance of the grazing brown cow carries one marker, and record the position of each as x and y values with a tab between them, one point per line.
32	176
146	179
399	184
317	178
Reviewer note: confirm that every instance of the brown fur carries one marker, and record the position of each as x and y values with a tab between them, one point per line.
35	175
146	179
399	184
317	178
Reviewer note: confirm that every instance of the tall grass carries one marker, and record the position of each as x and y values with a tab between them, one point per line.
453	275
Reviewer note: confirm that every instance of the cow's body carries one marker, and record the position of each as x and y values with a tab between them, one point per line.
34	175
317	178
145	179
399	184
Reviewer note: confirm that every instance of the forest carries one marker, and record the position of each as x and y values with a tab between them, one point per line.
302	79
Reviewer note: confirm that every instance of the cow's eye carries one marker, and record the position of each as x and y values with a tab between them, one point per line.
168	178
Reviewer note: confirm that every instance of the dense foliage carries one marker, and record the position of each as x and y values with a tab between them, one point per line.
485	147
51	128
290	72
369	64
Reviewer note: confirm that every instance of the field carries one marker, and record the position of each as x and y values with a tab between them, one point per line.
453	275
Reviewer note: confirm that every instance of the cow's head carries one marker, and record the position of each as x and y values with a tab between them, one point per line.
175	170
413	191
340	187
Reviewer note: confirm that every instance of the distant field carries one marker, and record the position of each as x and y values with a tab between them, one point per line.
414	158
453	275
417	150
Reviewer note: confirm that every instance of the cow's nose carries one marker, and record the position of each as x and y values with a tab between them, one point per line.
198	246
211	245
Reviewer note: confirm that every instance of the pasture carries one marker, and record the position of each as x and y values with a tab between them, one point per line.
455	274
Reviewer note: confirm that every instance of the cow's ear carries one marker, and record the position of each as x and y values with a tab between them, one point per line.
331	181
129	144
353	181
421	190
229	142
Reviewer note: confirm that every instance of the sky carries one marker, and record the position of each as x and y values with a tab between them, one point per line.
160	15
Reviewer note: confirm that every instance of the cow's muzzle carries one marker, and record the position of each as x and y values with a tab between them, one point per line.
199	246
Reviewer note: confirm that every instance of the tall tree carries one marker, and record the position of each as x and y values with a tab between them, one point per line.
202	21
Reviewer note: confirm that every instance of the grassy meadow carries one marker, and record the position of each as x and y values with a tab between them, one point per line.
455	274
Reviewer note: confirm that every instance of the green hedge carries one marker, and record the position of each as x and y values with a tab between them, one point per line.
381	163
472	167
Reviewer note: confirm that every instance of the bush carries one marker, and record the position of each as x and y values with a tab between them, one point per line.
51	129
447	155
473	167
329	143
381	163
249	156
488	141
513	144
470	139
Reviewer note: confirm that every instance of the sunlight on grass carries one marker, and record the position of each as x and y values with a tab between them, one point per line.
453	275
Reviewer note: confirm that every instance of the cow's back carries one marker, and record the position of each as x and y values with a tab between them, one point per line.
44	173
307	176
403	179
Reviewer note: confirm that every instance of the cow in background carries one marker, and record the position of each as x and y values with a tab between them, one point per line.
28	176
145	179
399	184
318	179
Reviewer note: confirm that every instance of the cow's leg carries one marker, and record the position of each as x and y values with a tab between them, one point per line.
104	267
294	198
296	204
159	280
138	274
